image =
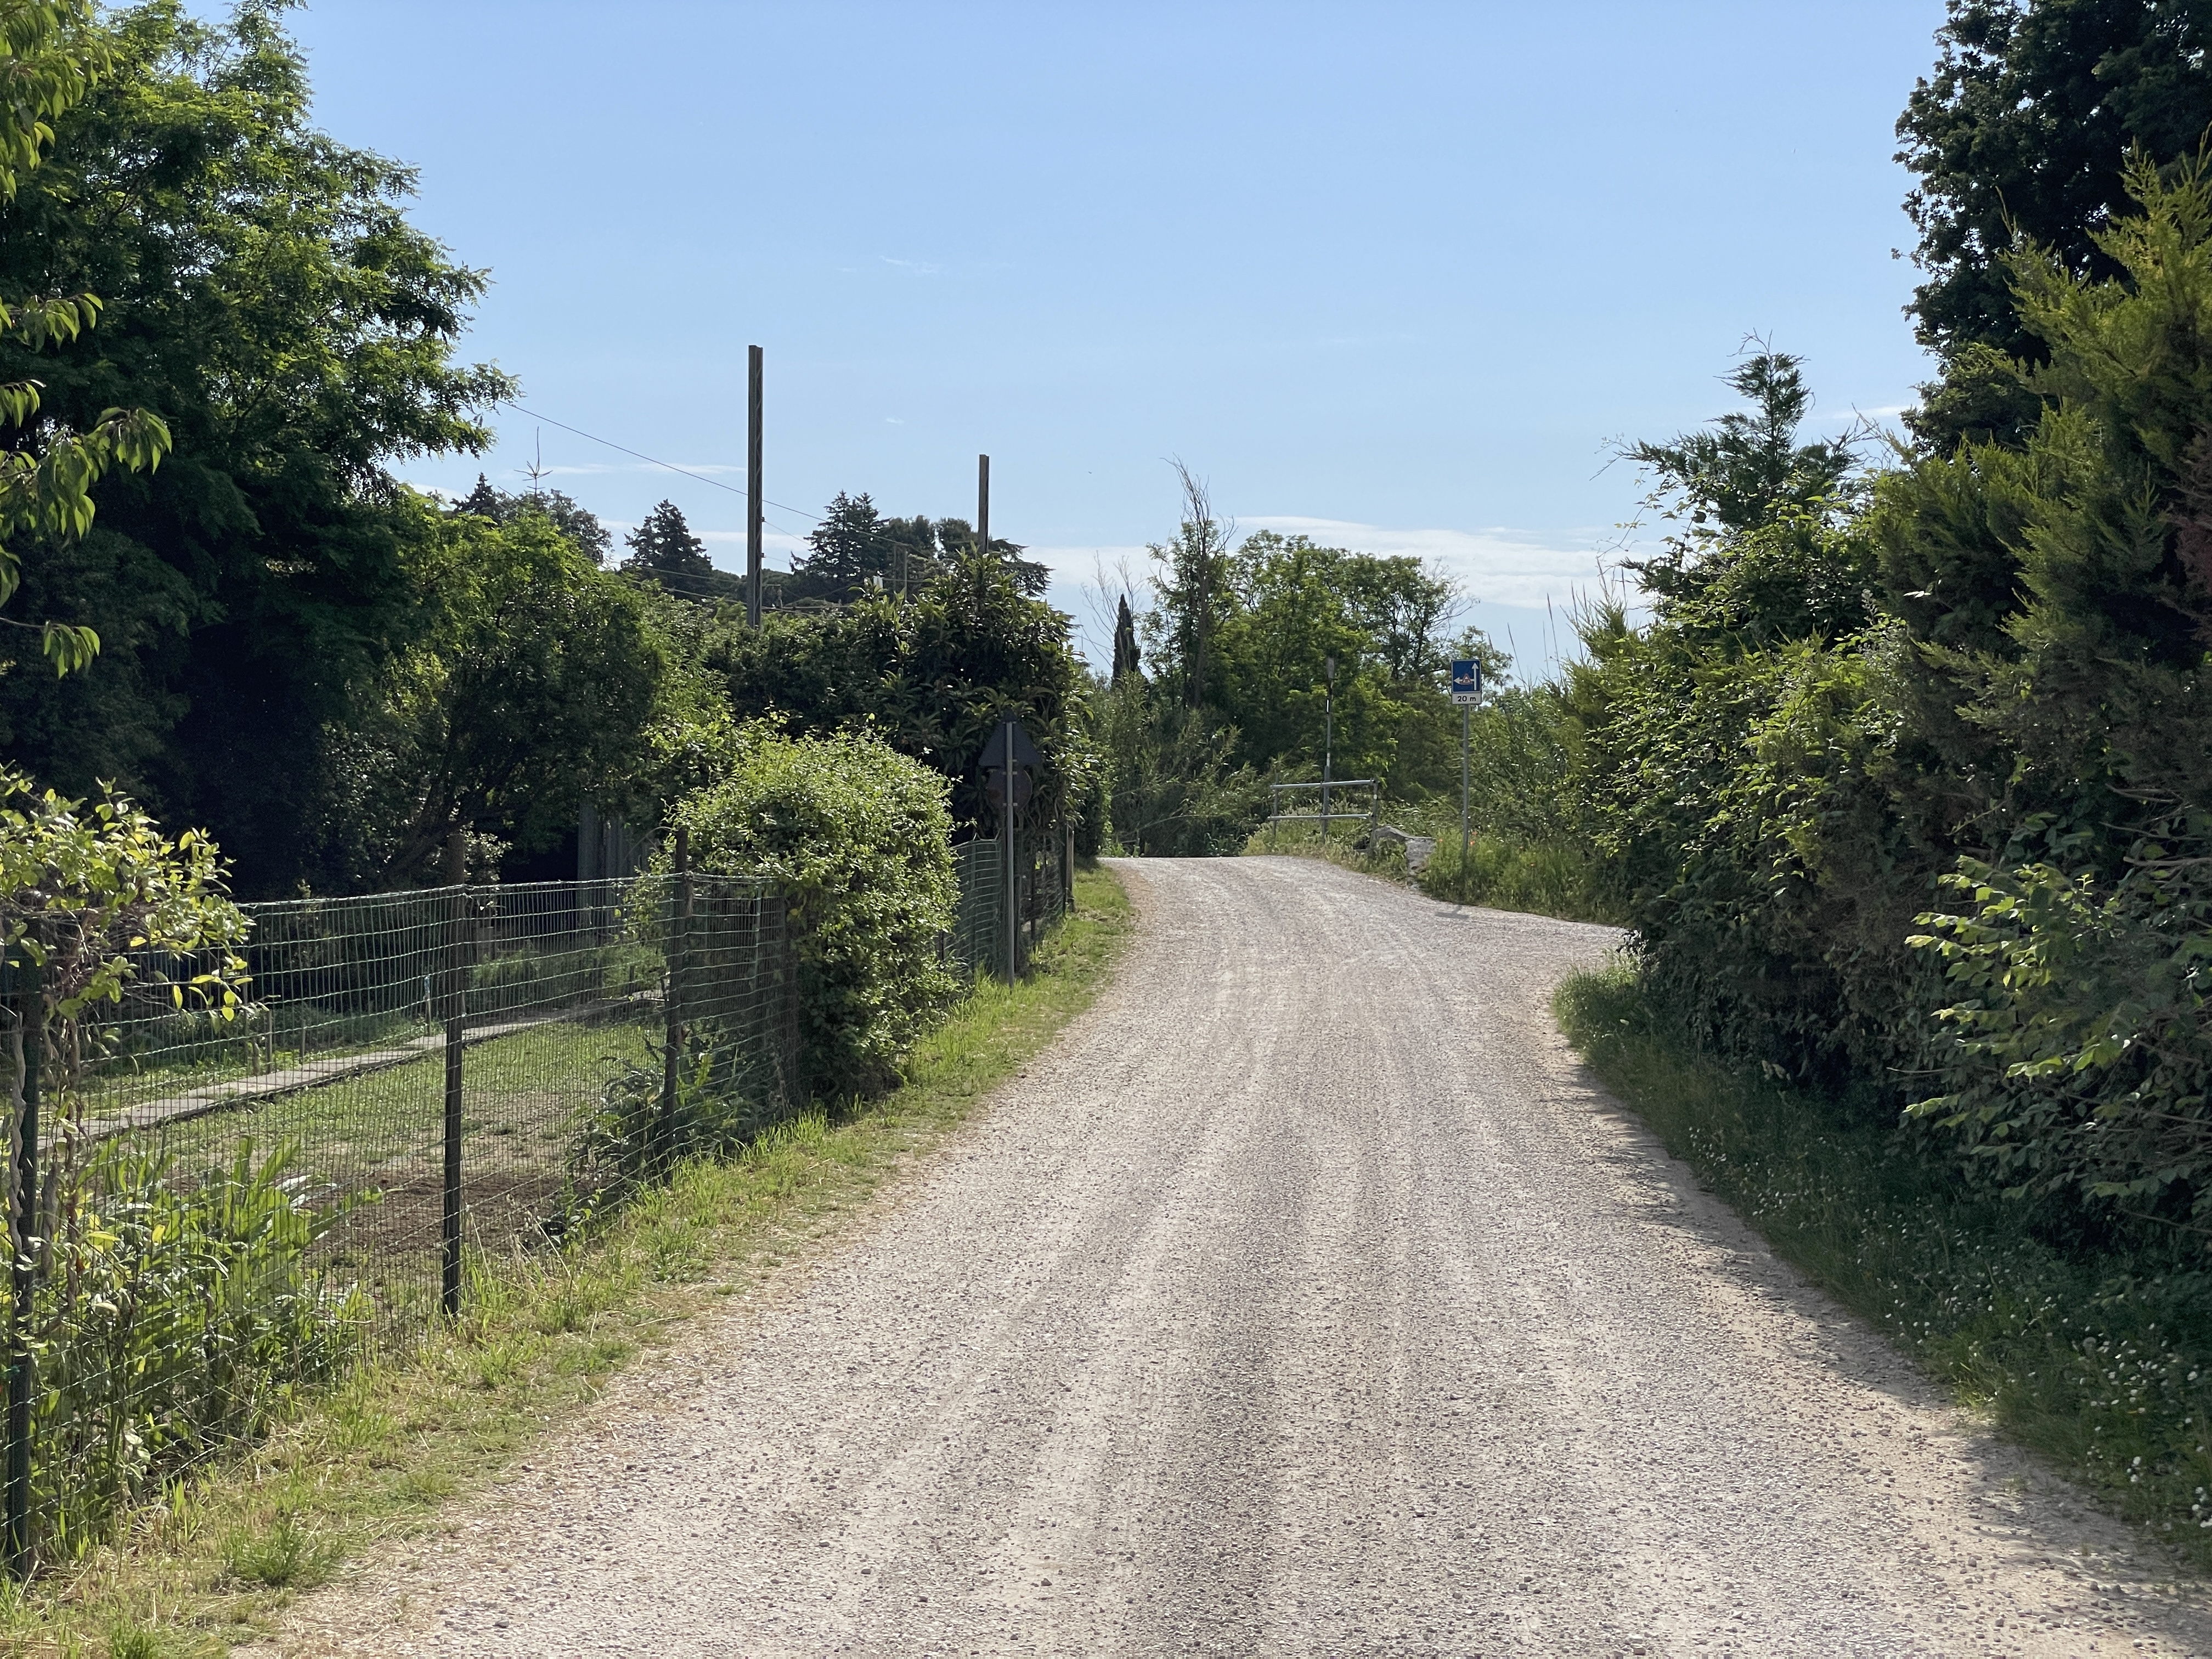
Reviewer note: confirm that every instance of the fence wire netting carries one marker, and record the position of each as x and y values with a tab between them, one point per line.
420	1084
1043	881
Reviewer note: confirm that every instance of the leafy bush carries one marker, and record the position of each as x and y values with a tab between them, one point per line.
2079	1059
169	1317
1546	878
1982	677
858	840
631	1135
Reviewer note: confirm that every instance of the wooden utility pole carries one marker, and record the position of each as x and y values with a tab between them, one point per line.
983	503
753	486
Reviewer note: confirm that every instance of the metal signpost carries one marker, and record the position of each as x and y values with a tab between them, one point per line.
1466	691
1327	738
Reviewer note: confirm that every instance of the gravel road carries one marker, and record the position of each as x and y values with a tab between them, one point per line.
1306	1299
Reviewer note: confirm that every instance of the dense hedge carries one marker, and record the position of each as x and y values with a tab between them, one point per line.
1907	781
858	839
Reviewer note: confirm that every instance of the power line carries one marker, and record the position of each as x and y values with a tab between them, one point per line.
653	461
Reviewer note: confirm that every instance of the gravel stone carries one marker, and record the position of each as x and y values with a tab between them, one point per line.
1308	1297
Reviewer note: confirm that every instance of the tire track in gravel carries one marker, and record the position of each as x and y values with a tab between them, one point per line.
1307	1298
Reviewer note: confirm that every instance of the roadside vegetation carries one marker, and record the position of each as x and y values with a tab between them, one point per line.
1893	756
220	336
2100	1358
1898	768
372	1459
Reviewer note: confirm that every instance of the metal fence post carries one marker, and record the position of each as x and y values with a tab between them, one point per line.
679	938
456	1013
21	1379
1013	890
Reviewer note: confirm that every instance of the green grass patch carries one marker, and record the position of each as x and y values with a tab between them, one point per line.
2098	1355
543	1332
1500	874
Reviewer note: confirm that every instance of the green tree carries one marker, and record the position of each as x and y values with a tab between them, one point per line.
51	56
1193	591
578	523
1743	470
846	548
2024	130
1707	738
1174	787
265	293
931	675
1283	607
526	691
1129	658
665	547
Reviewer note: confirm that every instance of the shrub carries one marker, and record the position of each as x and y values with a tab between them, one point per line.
858	840
2077	1057
1548	877
172	1316
631	1135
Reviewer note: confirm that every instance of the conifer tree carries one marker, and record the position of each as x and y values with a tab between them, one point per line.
663	546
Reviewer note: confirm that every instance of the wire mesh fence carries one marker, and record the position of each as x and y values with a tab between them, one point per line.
1042	880
208	1216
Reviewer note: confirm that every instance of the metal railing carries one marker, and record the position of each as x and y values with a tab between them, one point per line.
1322	815
209	1215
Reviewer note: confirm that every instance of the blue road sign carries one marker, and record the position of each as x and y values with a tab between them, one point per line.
1467	680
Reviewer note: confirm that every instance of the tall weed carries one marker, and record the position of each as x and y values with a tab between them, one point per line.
172	1315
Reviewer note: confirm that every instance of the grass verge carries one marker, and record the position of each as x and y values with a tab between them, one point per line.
2098	1356
544	1332
1500	874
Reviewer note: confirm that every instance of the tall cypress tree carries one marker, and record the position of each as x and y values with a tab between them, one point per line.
1126	657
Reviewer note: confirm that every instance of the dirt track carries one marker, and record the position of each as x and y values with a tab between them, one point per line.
1307	1299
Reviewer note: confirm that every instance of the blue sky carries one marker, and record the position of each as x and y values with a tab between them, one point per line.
1394	274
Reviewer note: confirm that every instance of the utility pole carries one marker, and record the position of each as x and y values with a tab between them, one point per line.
983	503
753	487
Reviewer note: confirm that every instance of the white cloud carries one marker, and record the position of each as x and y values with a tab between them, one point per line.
1500	566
